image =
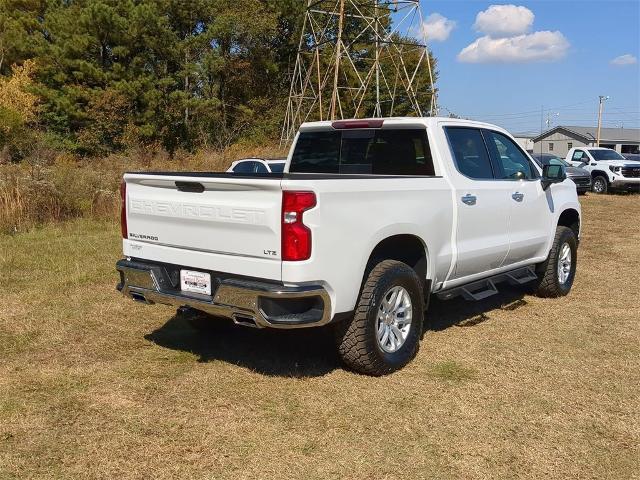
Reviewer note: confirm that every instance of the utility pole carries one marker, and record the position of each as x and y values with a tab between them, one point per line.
541	125
603	99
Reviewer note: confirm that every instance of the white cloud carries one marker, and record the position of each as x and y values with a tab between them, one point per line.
624	60
437	28
534	47
504	21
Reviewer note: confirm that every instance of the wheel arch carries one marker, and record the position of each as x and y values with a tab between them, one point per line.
406	248
600	173
570	218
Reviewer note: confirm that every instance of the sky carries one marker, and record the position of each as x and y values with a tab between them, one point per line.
523	63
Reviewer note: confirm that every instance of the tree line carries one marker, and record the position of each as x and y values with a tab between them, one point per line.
99	76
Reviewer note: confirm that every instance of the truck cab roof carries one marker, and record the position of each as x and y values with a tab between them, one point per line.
395	122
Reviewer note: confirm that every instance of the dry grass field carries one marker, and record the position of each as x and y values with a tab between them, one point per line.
95	386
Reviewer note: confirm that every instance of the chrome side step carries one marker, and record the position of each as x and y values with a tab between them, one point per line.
485	288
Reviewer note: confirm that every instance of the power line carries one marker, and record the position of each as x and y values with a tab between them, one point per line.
531	112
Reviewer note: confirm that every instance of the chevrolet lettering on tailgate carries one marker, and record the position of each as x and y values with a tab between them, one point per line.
195	211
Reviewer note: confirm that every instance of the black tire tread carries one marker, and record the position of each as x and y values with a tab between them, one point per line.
352	335
547	286
606	184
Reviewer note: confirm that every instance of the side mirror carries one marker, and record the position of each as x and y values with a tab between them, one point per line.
553	174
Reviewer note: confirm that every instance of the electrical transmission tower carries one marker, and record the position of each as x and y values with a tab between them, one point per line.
360	58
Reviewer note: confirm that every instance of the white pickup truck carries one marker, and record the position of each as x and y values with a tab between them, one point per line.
609	170
370	219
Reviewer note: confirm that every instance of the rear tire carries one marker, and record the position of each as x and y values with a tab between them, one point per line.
600	184
557	273
384	334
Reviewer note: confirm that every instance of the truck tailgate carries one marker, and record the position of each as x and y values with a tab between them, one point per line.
217	222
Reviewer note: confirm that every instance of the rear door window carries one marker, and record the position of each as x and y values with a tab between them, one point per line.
366	151
470	152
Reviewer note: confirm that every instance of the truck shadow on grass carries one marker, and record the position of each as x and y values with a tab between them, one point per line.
284	353
304	353
458	312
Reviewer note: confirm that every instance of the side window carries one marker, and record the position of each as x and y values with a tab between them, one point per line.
551	147
509	161
260	168
470	152
578	156
277	167
245	167
570	145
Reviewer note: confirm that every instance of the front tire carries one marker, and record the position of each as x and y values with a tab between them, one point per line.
557	273
600	184
384	334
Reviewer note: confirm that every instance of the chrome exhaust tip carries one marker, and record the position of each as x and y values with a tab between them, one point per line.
244	320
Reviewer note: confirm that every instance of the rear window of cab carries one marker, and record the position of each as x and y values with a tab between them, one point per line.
364	152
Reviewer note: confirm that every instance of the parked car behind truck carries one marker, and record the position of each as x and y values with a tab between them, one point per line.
579	176
372	218
257	165
609	170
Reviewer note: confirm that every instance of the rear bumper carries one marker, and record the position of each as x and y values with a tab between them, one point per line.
247	302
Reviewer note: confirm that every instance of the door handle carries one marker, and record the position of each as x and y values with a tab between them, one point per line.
469	199
518	197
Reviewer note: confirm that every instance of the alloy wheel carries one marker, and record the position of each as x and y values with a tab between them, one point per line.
394	319
564	264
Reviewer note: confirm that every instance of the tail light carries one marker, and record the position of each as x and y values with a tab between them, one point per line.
123	210
296	236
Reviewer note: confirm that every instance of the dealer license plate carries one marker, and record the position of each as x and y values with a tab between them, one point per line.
195	282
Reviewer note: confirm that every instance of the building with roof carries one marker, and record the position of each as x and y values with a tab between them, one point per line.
559	140
525	140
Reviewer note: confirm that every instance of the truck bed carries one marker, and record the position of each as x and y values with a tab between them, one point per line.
231	223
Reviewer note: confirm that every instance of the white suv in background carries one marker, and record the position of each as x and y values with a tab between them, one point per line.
609	170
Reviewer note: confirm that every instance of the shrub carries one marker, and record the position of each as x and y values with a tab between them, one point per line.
52	187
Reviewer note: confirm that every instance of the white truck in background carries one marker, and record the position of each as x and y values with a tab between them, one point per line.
609	170
371	218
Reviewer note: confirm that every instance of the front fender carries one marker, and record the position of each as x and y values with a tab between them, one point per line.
566	199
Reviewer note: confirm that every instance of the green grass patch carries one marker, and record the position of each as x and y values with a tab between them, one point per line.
451	371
